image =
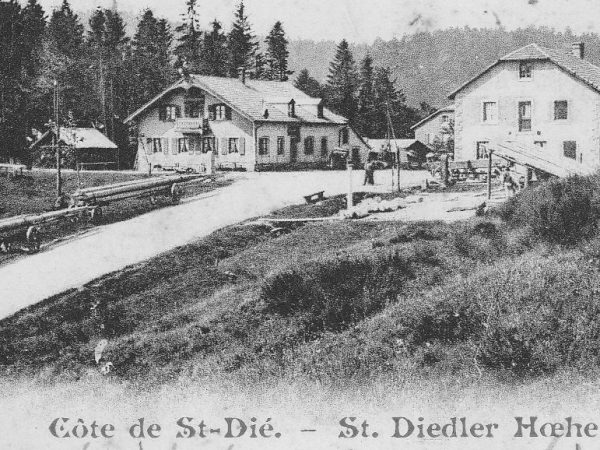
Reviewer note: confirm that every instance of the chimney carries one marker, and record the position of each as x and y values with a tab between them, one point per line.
577	48
242	74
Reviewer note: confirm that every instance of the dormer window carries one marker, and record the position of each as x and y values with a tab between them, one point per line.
320	110
525	70
292	108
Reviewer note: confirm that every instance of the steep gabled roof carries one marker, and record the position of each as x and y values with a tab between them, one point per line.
449	108
577	67
252	97
80	138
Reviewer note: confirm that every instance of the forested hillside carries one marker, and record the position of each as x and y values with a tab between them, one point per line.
430	65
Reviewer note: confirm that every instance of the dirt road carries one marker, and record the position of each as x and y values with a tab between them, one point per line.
112	247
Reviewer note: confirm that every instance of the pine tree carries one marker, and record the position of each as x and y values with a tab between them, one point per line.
214	51
277	53
189	47
241	44
12	133
109	47
261	69
366	115
308	84
34	25
65	60
388	96
342	82
149	65
65	31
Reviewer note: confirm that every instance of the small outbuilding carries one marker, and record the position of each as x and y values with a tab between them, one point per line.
86	148
412	151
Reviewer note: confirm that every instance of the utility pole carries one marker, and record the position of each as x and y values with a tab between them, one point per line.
57	142
393	135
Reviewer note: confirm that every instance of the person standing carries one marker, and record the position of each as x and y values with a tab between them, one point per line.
369	173
508	182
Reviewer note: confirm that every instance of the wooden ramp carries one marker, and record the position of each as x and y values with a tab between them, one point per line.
531	157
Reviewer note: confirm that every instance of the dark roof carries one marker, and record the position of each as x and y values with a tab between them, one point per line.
577	67
449	108
253	97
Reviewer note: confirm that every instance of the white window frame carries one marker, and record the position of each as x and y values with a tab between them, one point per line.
171	113
485	143
530	101
220	111
281	145
236	145
526	79
186	144
489	121
263	145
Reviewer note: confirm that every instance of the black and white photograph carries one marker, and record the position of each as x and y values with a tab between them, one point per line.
286	224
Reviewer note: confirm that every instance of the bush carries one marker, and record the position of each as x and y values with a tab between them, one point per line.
529	316
562	211
336	293
477	239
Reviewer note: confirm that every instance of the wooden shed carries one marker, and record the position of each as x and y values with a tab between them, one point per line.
87	148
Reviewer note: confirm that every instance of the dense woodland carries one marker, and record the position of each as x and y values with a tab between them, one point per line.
102	73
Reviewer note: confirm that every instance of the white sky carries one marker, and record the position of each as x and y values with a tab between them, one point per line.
364	20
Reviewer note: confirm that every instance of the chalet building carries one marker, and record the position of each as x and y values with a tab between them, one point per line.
204	122
436	126
539	106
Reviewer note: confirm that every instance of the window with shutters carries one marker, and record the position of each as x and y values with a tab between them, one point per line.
324	146
309	145
183	145
208	144
220	112
169	113
524	116
561	110
156	145
570	149
280	145
482	152
234	145
263	146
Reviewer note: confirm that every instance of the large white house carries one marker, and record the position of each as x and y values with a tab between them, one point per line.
537	105
202	122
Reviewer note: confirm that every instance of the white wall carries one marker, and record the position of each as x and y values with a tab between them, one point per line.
548	84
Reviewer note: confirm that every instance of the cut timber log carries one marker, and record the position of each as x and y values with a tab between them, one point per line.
137	188
24	221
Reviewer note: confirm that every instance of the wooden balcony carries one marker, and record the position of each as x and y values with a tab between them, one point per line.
189	125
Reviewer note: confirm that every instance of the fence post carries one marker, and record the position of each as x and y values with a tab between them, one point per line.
489	175
350	201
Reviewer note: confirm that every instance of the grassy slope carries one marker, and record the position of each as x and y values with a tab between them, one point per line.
331	302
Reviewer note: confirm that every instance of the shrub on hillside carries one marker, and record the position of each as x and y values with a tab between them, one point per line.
528	316
334	293
562	211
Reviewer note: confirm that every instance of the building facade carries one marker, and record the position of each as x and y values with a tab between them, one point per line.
204	123
543	104
437	126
